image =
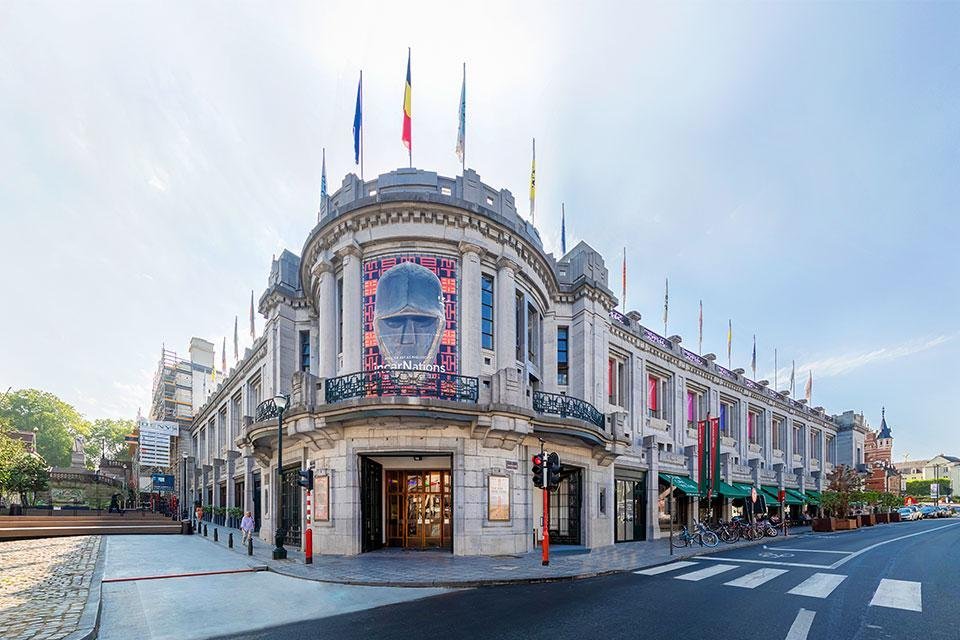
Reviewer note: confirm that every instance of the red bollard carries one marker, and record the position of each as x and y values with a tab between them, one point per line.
308	546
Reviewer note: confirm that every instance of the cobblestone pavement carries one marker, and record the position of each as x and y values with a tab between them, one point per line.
44	585
400	568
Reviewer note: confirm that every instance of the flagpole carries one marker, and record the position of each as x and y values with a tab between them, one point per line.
775	385
624	283
410	87
361	129
463	159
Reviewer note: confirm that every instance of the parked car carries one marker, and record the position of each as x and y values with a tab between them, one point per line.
906	513
943	512
928	512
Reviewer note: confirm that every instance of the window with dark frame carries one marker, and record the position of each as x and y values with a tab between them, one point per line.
340	315
486	312
518	312
563	362
304	351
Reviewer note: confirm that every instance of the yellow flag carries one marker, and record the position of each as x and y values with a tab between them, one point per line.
533	180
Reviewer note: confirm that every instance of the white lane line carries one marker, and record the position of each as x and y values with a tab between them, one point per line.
756	578
898	594
801	625
700	574
874	546
775	548
653	571
819	585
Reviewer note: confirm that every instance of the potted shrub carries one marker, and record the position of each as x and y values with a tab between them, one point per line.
845	483
829	504
219	512
234	514
869	499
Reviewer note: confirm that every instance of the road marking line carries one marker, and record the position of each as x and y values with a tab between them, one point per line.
664	568
805	550
756	578
700	574
898	594
776	562
874	546
819	585
801	625
188	575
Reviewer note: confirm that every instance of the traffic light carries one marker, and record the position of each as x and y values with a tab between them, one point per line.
553	470
306	479
537	471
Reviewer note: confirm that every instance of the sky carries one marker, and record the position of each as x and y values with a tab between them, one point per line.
792	165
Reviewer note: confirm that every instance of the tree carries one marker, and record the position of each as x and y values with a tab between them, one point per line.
921	488
106	439
55	422
10	451
844	481
29	475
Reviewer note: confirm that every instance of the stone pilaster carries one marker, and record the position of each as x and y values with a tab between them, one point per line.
351	258
470	308
505	322
326	304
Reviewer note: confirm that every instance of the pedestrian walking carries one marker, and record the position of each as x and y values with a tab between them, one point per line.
198	509
246	526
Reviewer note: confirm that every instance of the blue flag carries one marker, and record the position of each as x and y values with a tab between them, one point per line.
323	178
358	121
563	229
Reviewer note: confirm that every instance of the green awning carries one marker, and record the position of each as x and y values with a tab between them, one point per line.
729	491
795	496
746	488
682	483
813	497
770	493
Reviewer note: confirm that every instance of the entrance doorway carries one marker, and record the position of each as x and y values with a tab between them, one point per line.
291	505
629	494
419	509
565	507
256	501
406	501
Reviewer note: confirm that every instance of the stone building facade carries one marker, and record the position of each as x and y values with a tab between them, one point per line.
430	346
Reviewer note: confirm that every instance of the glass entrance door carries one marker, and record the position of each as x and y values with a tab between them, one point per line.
419	509
630	509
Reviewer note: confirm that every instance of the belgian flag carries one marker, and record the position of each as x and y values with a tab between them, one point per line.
407	136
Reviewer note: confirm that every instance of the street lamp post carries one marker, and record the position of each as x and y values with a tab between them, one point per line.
279	553
183	489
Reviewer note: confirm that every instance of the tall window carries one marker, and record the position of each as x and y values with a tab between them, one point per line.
563	362
486	312
728	418
253	396
533	333
518	314
340	315
222	429
754	426
798	439
814	444
778	434
696	406
235	405
616	381
831	457
656	396
304	351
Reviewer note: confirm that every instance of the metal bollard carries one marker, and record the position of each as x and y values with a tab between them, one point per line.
215	538
230	540
204	529
250	545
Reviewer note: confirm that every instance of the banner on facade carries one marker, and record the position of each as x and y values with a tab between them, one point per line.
410	319
714	457
703	460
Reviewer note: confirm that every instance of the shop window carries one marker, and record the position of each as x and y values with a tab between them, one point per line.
486	312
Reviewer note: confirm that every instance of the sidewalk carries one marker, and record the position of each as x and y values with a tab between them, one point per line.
399	568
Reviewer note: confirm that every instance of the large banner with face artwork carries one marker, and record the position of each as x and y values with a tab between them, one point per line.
410	314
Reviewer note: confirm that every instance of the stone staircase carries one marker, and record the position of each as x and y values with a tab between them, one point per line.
23	527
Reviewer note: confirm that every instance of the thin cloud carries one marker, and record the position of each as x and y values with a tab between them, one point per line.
844	364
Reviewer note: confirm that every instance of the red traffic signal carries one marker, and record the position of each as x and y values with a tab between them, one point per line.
537	471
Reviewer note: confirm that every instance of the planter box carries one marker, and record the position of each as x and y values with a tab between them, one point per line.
868	520
824	524
846	524
883	518
894	517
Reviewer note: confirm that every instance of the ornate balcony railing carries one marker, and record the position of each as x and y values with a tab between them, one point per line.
568	407
267	409
402	383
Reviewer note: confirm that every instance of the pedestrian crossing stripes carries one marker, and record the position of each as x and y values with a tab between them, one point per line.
898	594
819	585
700	574
756	578
892	594
653	571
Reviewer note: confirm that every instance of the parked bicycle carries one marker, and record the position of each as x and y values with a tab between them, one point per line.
700	535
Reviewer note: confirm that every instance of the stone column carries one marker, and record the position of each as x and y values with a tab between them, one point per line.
248	464
217	462
470	309
351	258
231	468
653	488
327	306
207	469
504	318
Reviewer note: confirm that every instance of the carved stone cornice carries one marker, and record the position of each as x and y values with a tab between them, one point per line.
466	246
353	250
504	262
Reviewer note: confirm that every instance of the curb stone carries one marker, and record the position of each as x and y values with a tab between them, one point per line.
89	624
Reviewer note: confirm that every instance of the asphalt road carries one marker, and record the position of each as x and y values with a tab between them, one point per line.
890	581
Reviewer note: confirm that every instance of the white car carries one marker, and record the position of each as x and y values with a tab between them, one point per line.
906	513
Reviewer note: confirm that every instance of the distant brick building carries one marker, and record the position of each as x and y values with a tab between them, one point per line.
878	445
